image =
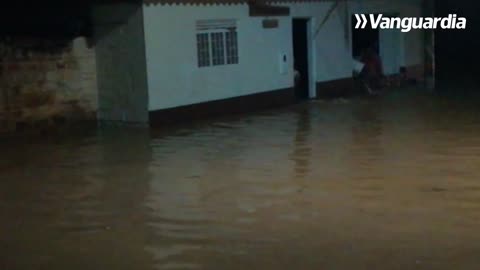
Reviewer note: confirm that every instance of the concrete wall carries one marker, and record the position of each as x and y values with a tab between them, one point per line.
43	80
174	78
121	63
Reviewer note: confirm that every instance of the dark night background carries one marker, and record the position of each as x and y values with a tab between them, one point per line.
50	19
457	52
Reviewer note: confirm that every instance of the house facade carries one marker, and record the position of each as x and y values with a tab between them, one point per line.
161	61
181	59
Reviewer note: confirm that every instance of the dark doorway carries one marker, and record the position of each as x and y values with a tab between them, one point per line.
300	57
364	38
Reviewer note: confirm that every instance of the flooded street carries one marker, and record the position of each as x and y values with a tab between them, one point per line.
384	183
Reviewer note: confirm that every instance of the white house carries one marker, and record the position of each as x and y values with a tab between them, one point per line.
168	59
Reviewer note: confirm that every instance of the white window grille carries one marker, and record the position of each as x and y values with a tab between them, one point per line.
217	43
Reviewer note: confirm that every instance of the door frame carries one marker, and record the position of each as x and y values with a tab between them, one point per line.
311	55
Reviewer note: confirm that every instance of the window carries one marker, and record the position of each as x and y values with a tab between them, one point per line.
232	49
217	43
218	54
203	50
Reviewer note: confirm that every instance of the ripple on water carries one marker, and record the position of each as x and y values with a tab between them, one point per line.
338	185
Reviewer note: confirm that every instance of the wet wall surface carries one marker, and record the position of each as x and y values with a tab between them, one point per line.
384	183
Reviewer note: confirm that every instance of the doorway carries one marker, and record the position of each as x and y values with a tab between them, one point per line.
363	39
388	44
300	58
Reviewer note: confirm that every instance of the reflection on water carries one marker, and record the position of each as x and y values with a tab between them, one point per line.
387	183
302	149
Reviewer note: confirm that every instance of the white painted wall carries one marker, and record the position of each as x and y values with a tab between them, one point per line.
174	78
173	75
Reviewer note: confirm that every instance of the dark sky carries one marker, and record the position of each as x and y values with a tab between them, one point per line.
458	51
55	19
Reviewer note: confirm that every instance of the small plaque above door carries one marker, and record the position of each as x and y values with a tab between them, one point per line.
270	23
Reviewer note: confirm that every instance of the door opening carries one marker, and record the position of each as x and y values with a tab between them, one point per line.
363	39
300	58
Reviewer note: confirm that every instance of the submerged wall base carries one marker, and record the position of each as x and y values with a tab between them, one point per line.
243	104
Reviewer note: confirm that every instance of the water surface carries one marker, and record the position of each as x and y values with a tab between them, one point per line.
385	183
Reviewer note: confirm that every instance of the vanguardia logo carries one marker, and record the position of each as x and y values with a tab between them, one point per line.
406	24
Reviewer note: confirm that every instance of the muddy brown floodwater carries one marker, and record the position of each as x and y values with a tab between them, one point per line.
385	183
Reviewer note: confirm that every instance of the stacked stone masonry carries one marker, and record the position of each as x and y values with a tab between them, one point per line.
46	82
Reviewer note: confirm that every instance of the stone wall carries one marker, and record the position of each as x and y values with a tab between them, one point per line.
46	82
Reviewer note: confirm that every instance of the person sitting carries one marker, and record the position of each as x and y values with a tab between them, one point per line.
372	73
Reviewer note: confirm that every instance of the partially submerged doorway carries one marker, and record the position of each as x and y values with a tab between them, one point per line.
363	39
300	55
387	43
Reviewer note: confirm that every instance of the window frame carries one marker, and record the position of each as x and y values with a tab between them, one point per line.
233	47
200	53
213	43
225	47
